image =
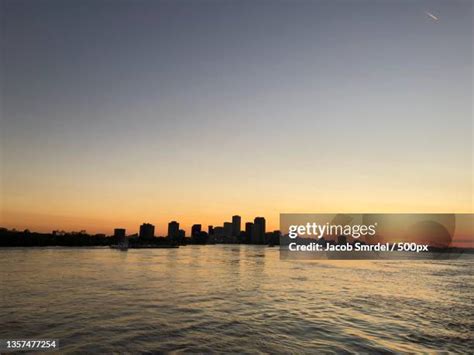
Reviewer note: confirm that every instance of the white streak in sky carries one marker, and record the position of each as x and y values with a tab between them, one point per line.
431	15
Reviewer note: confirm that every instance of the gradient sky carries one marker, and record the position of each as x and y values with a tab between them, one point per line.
114	113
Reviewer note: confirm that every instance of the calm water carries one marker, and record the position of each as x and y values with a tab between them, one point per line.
232	299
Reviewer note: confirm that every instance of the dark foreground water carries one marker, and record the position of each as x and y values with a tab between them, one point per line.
232	299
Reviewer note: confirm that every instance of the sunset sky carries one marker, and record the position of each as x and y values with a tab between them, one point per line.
115	113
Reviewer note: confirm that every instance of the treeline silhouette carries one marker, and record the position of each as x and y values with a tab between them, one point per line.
13	238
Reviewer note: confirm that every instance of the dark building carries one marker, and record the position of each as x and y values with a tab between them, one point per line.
181	237
228	229
195	230
258	236
210	230
218	234
276	237
200	238
248	232
147	231
272	238
119	233
236	221
173	230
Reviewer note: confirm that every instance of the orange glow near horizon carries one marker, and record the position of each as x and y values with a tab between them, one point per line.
103	218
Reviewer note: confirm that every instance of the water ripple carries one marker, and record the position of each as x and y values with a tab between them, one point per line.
240	299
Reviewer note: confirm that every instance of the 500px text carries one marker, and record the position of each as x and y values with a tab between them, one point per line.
406	247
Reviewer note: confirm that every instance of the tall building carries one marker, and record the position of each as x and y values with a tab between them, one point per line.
236	221
210	230
173	230
249	232
119	233
195	230
258	230
147	231
228	229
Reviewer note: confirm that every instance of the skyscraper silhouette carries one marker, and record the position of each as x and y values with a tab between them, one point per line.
249	232
173	230
236	221
147	231
228	229
259	230
195	230
119	233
